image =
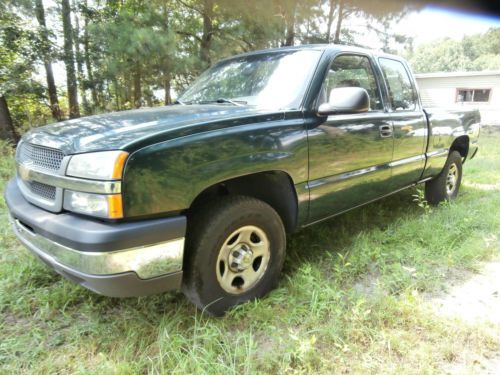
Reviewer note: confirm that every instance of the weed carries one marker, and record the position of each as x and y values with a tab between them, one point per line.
419	199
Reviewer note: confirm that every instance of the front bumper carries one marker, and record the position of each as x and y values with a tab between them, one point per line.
113	259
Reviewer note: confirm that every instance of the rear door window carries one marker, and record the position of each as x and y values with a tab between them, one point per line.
402	95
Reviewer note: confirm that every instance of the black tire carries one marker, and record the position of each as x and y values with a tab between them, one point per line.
438	189
208	234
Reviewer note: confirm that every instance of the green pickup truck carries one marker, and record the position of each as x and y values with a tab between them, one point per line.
200	195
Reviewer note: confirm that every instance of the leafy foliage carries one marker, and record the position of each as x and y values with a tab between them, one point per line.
123	54
18	46
475	52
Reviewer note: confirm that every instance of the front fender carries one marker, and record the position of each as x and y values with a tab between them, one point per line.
167	177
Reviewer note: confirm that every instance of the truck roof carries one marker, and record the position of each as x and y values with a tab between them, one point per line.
319	47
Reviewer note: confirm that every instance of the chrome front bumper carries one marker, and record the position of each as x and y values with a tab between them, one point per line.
146	261
124	259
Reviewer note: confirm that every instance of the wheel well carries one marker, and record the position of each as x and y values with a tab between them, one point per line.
274	187
461	144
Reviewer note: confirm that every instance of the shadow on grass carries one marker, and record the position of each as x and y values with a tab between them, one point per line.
313	244
318	244
336	235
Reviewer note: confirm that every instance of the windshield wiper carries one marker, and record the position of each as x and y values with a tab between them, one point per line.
238	103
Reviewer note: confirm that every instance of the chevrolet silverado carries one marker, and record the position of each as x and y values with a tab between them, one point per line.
200	195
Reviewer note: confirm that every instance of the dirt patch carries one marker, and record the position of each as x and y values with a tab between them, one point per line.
368	284
486	187
476	300
475	365
473	299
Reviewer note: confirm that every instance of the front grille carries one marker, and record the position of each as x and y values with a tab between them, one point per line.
41	157
42	190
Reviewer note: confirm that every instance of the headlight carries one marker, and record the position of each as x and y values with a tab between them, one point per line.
105	165
105	206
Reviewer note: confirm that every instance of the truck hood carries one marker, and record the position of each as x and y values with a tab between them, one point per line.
123	130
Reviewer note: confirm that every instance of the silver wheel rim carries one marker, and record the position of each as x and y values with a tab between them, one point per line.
451	179
243	259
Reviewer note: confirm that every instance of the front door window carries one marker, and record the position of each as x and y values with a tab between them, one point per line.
352	71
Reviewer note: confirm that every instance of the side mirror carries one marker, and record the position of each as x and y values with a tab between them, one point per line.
344	100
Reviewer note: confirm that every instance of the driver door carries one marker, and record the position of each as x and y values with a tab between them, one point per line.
349	154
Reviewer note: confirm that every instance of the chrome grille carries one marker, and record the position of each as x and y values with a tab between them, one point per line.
42	190
41	157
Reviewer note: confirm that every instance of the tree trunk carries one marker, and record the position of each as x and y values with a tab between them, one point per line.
117	94
79	63
69	60
331	12
7	131
167	66
166	87
339	22
208	30
149	99
137	86
290	24
45	51
127	91
88	64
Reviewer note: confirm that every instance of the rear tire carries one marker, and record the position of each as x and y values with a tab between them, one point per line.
445	186
234	253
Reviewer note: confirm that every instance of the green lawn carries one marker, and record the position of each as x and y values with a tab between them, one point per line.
352	299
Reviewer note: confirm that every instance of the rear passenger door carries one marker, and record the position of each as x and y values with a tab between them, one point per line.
408	121
349	154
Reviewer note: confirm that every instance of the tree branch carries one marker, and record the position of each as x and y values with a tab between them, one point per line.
190	7
189	34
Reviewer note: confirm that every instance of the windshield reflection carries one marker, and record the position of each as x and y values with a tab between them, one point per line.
273	80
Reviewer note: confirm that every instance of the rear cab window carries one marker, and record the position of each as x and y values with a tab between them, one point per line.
402	94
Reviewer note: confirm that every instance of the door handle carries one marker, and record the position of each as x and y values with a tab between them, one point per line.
385	131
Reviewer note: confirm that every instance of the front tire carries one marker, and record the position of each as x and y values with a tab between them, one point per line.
445	186
235	251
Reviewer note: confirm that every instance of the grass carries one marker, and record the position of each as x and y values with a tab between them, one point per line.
353	299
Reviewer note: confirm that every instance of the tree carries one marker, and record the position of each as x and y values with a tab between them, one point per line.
7	130
121	54
79	60
474	52
8	64
208	31
289	15
387	37
16	69
298	21
331	11
91	83
129	39
379	11
45	52
69	60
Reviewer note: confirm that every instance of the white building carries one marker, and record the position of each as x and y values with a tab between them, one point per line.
465	89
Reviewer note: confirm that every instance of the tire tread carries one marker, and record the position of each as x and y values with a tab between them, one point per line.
200	224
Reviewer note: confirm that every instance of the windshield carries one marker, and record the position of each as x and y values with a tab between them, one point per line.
273	80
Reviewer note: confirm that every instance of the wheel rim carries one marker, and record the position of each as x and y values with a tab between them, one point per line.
451	179
243	259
